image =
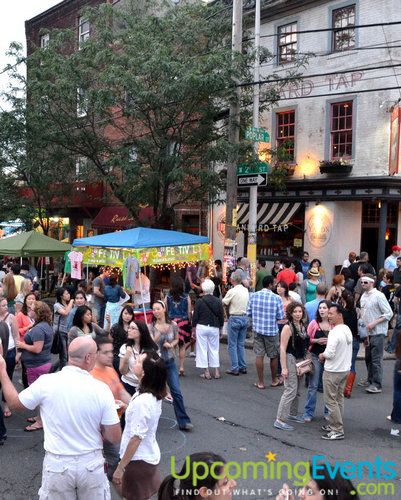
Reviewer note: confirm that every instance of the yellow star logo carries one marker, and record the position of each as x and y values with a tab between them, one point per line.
271	457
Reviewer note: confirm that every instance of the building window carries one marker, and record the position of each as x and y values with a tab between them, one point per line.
83	30
341	130
287	43
80	165
82	102
44	41
285	135
343	25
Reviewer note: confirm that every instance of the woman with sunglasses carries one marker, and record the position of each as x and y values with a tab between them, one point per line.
138	341
165	334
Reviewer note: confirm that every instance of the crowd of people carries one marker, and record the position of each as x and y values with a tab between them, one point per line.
101	399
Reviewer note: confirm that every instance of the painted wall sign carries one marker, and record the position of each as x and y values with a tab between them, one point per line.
275	228
333	83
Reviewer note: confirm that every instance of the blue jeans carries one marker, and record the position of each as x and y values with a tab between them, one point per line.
173	382
236	330
10	364
355	350
3	430
393	342
396	413
311	398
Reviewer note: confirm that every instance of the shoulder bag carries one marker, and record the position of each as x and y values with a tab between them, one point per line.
57	344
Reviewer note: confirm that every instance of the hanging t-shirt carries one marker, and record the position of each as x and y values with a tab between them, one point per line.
76	259
67	262
130	270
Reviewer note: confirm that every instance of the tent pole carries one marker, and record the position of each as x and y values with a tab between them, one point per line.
140	287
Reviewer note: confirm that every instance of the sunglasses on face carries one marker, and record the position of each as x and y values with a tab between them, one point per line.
364	282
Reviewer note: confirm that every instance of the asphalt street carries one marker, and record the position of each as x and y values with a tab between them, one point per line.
234	419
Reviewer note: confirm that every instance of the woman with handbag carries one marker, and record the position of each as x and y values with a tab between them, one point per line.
36	354
208	319
318	331
61	311
293	347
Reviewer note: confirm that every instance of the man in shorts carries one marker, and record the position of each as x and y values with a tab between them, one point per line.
265	308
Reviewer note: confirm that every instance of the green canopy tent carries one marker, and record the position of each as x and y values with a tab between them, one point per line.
32	244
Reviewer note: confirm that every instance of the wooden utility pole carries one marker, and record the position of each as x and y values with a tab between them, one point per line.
234	129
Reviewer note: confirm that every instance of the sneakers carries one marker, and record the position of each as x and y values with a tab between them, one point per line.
283	426
363	383
307	419
187	427
333	436
326	428
296	418
192	355
232	372
372	389
243	371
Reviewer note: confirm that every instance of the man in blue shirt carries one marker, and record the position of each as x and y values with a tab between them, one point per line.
305	264
266	308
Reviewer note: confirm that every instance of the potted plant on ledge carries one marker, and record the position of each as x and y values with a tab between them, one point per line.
340	166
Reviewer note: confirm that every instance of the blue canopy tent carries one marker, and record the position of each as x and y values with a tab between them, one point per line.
141	237
149	246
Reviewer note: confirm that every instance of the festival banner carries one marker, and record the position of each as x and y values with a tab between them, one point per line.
115	257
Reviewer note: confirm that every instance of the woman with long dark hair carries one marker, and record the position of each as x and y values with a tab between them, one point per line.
189	488
318	331
119	332
179	310
138	341
138	471
293	345
165	334
83	325
351	320
36	354
61	310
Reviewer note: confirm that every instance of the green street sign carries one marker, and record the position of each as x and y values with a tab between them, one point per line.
260	167
256	134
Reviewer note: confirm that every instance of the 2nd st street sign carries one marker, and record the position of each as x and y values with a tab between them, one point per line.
253	167
252	180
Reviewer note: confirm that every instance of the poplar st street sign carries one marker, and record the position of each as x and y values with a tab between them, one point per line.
256	134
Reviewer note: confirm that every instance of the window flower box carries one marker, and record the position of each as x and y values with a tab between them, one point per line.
340	167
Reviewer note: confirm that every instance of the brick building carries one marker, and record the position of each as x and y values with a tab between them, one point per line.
92	208
344	109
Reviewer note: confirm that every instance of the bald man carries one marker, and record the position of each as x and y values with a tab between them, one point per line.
78	412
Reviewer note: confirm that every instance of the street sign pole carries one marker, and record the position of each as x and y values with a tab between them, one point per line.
253	195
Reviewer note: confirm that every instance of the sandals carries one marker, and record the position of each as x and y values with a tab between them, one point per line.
33	428
205	376
181	373
277	384
7	413
31	420
260	387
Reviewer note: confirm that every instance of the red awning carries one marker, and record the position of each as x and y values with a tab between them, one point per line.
119	217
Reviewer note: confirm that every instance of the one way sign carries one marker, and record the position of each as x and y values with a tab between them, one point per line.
252	180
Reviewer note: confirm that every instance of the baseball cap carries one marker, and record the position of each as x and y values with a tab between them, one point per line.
395	248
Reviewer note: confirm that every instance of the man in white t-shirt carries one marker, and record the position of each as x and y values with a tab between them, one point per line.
78	412
337	363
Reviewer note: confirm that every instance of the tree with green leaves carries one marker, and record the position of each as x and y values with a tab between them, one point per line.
143	101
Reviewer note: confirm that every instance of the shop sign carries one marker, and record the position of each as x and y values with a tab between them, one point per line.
275	228
115	257
318	230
